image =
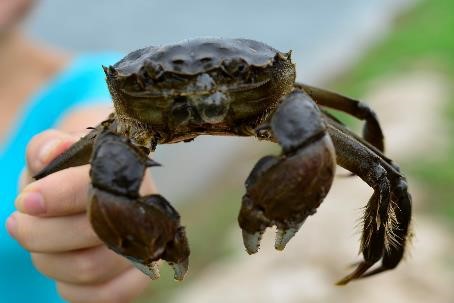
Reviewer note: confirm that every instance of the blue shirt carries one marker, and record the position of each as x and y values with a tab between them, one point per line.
81	83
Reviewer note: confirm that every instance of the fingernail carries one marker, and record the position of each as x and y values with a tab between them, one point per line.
11	225
47	150
31	203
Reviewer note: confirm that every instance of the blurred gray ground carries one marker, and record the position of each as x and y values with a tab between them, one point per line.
326	37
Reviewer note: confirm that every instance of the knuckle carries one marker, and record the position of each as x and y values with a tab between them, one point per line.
62	290
37	140
108	294
121	296
87	269
39	263
67	292
25	235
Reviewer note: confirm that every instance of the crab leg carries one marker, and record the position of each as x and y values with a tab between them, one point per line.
372	131
79	153
284	190
142	229
387	215
332	122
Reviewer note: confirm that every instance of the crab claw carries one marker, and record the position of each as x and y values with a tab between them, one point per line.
284	190
142	229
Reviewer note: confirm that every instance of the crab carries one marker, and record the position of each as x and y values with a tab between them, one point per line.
234	87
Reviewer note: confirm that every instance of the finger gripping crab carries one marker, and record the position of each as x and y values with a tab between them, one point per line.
235	87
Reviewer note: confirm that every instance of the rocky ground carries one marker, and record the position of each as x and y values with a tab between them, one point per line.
409	106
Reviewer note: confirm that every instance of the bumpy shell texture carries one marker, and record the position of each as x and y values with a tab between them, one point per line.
191	57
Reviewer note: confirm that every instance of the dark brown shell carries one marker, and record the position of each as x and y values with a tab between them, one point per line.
195	56
170	89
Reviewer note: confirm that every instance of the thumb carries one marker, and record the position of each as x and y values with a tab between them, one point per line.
44	147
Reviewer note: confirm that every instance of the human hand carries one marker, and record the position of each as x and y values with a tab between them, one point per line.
51	223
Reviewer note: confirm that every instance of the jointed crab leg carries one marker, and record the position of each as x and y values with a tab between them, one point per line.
79	153
387	215
372	131
284	190
333	123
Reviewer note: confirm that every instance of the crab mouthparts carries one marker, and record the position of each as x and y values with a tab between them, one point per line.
210	109
213	108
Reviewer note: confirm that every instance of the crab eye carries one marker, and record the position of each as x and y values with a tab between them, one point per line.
151	69
133	82
205	59
181	111
178	61
236	67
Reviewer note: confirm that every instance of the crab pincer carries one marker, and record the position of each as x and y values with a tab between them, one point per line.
142	229
284	190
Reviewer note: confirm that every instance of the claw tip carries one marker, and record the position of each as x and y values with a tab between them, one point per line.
180	269
343	281
252	241
279	247
151	270
283	236
356	274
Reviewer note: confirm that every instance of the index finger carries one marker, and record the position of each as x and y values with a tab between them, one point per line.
59	194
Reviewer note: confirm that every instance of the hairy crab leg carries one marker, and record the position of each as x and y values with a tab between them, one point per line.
284	190
372	130
402	232
388	212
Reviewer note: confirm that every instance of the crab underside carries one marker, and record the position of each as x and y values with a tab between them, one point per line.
235	87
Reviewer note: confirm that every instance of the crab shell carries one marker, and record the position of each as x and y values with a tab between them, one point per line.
198	85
